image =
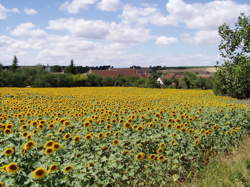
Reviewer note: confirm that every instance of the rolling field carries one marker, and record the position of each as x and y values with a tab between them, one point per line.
113	136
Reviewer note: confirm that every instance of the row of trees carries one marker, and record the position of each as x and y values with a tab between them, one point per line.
38	77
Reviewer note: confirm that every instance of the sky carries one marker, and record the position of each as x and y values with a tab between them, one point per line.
120	33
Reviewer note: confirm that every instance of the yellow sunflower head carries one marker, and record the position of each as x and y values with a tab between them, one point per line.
7	131
9	151
12	168
49	143
56	146
48	151
160	150
67	136
152	157
140	156
53	168
67	169
39	173
115	142
88	137
29	145
161	158
77	139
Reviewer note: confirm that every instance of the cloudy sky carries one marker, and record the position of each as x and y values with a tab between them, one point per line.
114	32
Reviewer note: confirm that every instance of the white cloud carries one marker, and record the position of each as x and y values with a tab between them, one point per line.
74	6
109	5
28	30
205	16
55	49
144	15
202	37
164	40
97	29
4	12
30	11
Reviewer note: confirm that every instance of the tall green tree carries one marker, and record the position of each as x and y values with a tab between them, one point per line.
14	64
71	68
233	77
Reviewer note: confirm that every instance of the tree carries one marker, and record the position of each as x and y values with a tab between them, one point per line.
56	68
233	77
71	68
14	64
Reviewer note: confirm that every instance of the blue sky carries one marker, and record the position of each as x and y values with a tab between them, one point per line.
115	32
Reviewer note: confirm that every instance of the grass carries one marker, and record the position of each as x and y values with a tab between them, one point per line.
226	170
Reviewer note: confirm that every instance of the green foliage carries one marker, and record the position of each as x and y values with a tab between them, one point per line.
14	64
189	81
233	77
56	68
71	68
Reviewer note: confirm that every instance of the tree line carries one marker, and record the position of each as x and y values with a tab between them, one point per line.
38	76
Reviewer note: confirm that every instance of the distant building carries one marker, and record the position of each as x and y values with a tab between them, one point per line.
128	72
160	81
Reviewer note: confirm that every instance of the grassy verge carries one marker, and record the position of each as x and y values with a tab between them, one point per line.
227	170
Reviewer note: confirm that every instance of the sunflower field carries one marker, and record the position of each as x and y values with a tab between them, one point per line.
113	136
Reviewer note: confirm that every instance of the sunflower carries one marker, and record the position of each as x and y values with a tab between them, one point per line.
60	130
34	123
77	139
117	133
162	145
161	158
160	150
104	148
108	134
173	142
24	127
39	173
56	146
88	137
87	124
152	157
140	156
49	143
67	169
2	184
100	135
53	168
29	145
25	133
108	127
12	168
51	126
8	151
139	128
169	125
115	142
48	151
127	125
9	126
7	131
67	136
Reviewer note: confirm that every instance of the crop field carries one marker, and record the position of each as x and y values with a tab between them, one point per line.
113	136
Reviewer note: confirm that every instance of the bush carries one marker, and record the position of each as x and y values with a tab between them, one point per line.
233	79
